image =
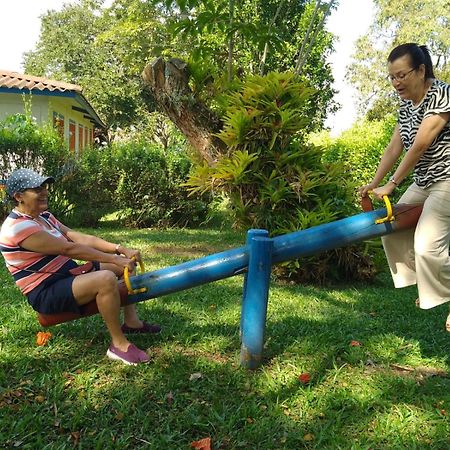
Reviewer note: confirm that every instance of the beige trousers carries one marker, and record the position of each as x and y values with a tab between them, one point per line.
421	255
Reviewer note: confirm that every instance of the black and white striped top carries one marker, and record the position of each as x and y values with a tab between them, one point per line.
434	165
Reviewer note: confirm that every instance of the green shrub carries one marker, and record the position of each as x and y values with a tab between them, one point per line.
141	183
24	144
185	210
275	180
360	149
83	194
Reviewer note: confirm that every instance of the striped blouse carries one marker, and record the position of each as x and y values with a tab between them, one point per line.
434	165
28	268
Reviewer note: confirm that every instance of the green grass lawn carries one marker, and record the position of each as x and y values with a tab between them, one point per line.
390	392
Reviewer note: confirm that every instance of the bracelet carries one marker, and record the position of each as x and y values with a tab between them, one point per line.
392	180
116	251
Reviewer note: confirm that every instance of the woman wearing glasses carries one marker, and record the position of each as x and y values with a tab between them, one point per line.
419	256
39	251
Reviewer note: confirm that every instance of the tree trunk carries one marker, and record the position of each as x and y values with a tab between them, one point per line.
167	83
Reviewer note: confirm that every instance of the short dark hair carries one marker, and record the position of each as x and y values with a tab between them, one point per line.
419	54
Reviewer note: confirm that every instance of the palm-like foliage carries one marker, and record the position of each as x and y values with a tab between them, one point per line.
272	177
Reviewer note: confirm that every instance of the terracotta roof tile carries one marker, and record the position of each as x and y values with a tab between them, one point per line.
17	80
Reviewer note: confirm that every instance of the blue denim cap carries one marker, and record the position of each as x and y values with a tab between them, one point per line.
22	179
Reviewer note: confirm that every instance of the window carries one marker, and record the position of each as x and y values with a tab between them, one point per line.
58	123
80	138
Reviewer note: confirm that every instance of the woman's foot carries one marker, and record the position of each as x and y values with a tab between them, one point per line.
142	327
131	356
133	322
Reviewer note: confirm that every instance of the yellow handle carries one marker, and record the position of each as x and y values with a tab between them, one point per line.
126	278
390	215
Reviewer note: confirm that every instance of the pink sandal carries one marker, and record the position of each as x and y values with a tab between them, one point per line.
132	356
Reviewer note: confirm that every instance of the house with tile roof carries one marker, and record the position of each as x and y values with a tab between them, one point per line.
63	104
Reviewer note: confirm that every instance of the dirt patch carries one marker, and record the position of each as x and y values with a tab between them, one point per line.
417	373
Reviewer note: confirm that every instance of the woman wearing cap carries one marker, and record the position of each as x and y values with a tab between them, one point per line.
39	252
419	256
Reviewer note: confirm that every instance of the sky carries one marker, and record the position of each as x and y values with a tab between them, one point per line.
20	30
348	22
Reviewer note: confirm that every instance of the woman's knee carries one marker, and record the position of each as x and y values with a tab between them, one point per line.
429	249
95	285
106	280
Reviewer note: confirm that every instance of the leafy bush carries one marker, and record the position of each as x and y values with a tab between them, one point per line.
83	195
360	149
24	144
185	210
276	180
140	182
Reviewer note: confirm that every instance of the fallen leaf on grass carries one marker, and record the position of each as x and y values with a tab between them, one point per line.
75	435
40	398
304	378
308	437
355	344
195	376
202	444
42	337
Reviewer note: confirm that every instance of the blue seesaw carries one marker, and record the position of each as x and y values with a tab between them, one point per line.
254	260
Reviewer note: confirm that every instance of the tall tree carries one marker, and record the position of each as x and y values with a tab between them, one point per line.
102	49
253	36
396	22
105	49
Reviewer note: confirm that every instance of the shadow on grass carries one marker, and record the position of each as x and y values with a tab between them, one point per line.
68	394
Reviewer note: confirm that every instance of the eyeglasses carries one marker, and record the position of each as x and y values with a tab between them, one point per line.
39	189
400	77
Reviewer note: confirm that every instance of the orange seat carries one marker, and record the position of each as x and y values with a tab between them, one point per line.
48	320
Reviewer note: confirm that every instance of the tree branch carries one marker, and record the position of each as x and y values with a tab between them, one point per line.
266	45
303	55
167	83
